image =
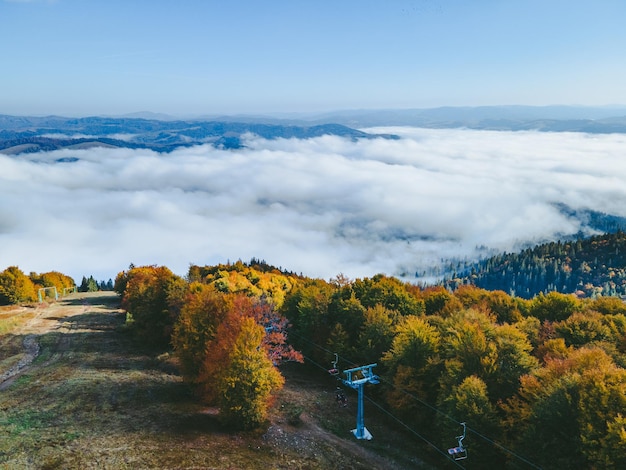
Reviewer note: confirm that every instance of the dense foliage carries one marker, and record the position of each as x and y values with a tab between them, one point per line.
543	377
257	279
223	324
588	267
16	287
518	370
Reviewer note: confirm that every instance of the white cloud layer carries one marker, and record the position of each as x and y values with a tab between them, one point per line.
320	206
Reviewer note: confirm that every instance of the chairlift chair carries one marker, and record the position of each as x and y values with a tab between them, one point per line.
459	452
334	371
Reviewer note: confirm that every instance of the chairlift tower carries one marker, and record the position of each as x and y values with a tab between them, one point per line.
356	381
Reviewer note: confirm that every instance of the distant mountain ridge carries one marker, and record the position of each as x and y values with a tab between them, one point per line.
33	134
609	119
165	133
603	119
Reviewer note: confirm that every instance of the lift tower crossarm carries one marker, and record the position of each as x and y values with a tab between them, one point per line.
366	372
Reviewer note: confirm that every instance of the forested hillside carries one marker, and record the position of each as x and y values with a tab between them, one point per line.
539	380
543	378
587	267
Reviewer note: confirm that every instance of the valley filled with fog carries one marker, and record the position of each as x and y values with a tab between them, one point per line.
320	206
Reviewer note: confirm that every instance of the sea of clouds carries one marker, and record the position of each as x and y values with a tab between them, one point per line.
320	206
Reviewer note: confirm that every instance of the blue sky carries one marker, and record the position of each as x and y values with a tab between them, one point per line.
194	57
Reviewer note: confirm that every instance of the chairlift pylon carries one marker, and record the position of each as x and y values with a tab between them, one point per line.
356	378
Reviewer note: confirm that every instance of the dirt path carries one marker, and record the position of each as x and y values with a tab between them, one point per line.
31	351
47	318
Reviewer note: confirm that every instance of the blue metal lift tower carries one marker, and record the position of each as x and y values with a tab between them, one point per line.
356	378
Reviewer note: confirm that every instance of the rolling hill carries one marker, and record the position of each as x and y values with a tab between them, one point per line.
34	134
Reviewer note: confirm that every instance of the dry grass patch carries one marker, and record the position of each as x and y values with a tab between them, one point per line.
12	319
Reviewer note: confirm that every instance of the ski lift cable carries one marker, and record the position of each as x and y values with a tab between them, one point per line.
395	418
398	420
508	451
315	363
491	441
428	405
381	378
332	353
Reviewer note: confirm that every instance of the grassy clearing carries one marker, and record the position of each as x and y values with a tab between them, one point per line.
11	345
10	351
12	319
93	399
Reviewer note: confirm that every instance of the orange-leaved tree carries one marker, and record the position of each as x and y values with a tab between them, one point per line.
52	279
202	312
238	372
229	345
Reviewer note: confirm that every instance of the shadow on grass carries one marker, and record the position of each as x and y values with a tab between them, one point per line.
94	380
108	298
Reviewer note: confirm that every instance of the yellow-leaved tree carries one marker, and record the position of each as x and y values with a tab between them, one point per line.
245	379
16	287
